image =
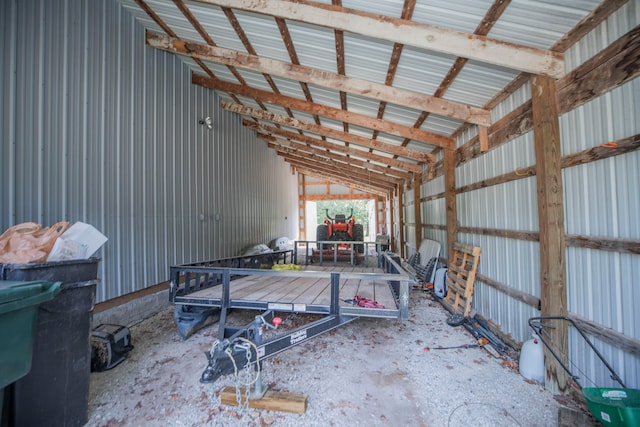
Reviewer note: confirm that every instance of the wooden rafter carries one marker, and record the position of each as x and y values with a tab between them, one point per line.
332	133
613	66
288	43
350	196
270	130
337	175
366	180
588	23
337	168
231	17
334	81
347	160
407	12
339	36
336	180
205	36
377	125
429	37
483	28
156	18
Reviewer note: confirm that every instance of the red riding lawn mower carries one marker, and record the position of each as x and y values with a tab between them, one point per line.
341	229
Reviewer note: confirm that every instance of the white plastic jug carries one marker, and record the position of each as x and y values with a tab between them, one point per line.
532	360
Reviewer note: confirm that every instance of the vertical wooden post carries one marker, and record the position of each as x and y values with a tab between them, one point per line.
450	200
417	208
302	204
391	223
381	215
553	293
401	218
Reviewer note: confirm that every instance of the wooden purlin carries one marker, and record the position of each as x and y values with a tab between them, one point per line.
461	278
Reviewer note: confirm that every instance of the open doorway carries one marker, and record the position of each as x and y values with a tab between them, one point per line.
363	211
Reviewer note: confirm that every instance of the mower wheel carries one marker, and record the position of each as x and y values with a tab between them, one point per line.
358	236
322	233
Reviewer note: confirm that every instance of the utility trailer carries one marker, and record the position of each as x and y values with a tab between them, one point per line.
335	292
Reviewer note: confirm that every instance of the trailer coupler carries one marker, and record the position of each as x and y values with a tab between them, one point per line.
228	357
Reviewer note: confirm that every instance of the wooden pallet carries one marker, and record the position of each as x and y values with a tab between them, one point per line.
461	277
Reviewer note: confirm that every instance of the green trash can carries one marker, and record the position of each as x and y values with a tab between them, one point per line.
61	365
19	303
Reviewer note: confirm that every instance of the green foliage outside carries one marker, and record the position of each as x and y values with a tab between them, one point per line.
344	207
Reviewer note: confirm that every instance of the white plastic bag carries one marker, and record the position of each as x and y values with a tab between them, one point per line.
80	241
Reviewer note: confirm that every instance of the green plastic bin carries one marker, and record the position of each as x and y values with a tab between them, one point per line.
615	407
19	303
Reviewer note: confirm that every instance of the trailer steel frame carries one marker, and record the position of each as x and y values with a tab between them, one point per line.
193	284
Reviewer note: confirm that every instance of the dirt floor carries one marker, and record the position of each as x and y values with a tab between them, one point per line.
370	372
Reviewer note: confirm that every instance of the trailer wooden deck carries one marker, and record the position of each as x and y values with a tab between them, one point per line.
308	290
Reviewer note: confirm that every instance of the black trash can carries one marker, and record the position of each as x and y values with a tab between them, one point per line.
56	390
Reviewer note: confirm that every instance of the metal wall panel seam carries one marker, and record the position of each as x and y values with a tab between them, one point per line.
117	156
11	114
65	103
40	115
85	111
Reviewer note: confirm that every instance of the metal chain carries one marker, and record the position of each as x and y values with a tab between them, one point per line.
246	345
243	404
236	380
247	373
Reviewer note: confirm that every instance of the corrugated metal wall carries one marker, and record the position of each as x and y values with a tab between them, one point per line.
602	199
96	127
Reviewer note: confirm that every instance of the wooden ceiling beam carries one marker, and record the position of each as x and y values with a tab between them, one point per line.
348	161
429	37
345	168
322	78
339	181
378	125
332	167
335	168
337	175
271	130
328	132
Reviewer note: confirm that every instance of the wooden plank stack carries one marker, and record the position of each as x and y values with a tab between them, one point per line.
461	277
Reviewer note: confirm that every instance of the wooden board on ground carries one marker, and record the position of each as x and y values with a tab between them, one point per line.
272	400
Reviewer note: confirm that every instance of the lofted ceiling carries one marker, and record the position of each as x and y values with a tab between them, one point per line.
363	93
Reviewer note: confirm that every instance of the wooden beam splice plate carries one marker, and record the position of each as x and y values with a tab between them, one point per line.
272	400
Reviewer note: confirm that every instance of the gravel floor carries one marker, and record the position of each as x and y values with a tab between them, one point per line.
371	372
